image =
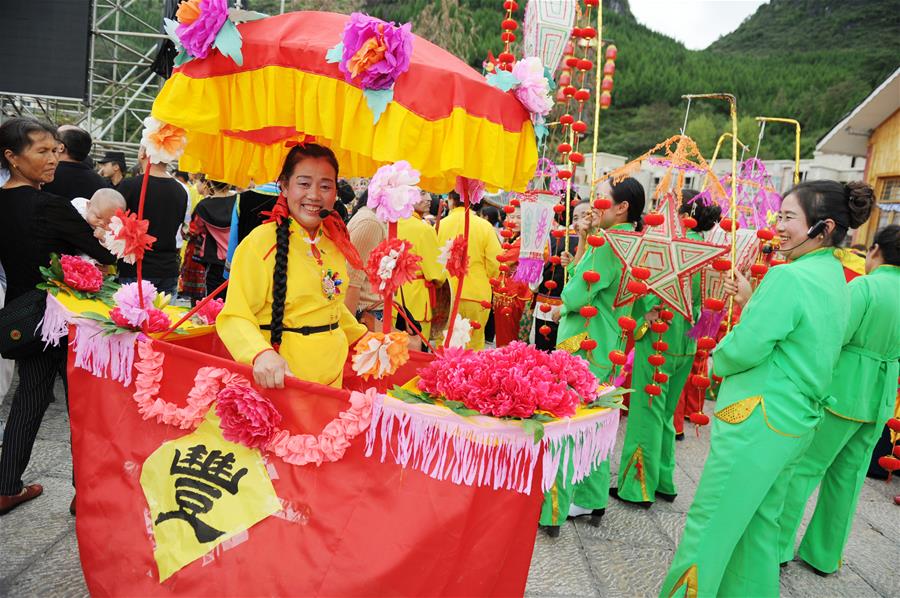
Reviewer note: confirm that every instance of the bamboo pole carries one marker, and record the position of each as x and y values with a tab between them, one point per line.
789	121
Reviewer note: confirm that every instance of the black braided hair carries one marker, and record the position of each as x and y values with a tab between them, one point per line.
279	280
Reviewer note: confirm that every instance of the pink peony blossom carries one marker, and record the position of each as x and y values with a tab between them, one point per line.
157	320
246	417
81	274
471	188
533	90
208	313
375	52
199	36
392	191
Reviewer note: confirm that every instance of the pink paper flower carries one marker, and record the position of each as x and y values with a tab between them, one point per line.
157	320
207	314
81	274
246	416
198	36
375	52
533	90
473	188
393	191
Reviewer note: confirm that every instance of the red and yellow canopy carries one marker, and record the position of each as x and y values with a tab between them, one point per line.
445	119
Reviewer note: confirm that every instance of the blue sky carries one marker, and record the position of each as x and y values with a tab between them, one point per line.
695	23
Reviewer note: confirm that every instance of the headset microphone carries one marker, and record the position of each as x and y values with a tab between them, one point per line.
325	213
814	231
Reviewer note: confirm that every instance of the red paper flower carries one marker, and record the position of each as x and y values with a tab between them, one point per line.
157	320
81	274
246	417
390	265
207	314
127	237
454	257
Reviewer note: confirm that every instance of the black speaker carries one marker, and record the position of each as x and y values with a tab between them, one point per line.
45	46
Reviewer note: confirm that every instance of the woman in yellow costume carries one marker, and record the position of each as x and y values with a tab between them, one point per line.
285	310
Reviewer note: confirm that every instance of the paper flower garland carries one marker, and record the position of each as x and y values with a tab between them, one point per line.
379	354
393	192
373	54
390	265
246	417
163	142
127	237
206	24
454	258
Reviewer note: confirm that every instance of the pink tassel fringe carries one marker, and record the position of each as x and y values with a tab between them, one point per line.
529	270
707	325
104	355
55	324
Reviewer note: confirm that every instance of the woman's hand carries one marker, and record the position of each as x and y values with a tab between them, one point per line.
652	315
269	369
739	288
565	258
556	313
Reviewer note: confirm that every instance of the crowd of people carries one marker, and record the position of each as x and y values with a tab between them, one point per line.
808	376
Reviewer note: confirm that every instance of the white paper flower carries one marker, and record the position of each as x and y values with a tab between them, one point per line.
462	332
163	142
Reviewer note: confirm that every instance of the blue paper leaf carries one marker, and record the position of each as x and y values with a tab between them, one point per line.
228	42
540	131
503	80
182	57
378	99
549	77
170	26
335	54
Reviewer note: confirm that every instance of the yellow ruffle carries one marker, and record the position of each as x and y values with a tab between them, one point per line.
337	114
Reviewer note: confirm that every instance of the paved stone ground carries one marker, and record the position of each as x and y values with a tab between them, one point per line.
628	555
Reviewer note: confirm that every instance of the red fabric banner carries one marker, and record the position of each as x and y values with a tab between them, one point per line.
354	527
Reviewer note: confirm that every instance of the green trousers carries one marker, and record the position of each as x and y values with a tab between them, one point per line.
730	541
648	452
591	493
838	457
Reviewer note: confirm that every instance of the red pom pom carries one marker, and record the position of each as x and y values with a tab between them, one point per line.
889	463
765	234
653	390
595	240
660	377
509	209
588	345
659	327
602	204
555	260
550	284
564	174
582	95
688	221
726	224
654	219
713	304
666	315
579	126
702	355
588	33
576	32
545	307
592	2
894	424
627	323
699	419
576	157
661	346
588	311
545	330
759	270
618	357
559	208
699	381
706	343
897	451
475	325
591	276
515	202
506	57
569	91
571	62
509	25
640	273
636	287
585	65
511	5
567	119
558	233
485	304
508	37
656	360
564	148
721	264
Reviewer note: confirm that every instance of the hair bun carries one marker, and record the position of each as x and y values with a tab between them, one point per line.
860	199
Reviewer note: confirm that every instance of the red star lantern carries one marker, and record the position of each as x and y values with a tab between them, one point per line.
670	257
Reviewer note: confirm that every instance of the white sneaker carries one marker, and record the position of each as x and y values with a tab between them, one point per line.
576	511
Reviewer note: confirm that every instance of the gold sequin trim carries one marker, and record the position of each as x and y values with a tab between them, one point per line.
573	343
637	459
738	412
554	503
849	419
688	580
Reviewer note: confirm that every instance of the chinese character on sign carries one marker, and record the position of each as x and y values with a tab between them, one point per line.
202	476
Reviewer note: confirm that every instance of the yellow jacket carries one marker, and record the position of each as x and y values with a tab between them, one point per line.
484	247
415	294
316	357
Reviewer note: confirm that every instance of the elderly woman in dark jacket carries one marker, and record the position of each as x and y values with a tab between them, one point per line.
34	225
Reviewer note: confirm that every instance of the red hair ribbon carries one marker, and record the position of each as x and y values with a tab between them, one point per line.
279	211
301	142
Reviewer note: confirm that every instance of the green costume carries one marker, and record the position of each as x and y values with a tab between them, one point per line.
776	366
863	388
593	491
648	452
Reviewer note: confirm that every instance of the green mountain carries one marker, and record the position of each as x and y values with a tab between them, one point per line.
812	60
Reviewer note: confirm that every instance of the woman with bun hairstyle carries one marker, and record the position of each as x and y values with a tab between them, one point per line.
776	366
862	392
647	467
590	496
285	311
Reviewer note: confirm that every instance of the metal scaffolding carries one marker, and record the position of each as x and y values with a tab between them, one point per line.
125	36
